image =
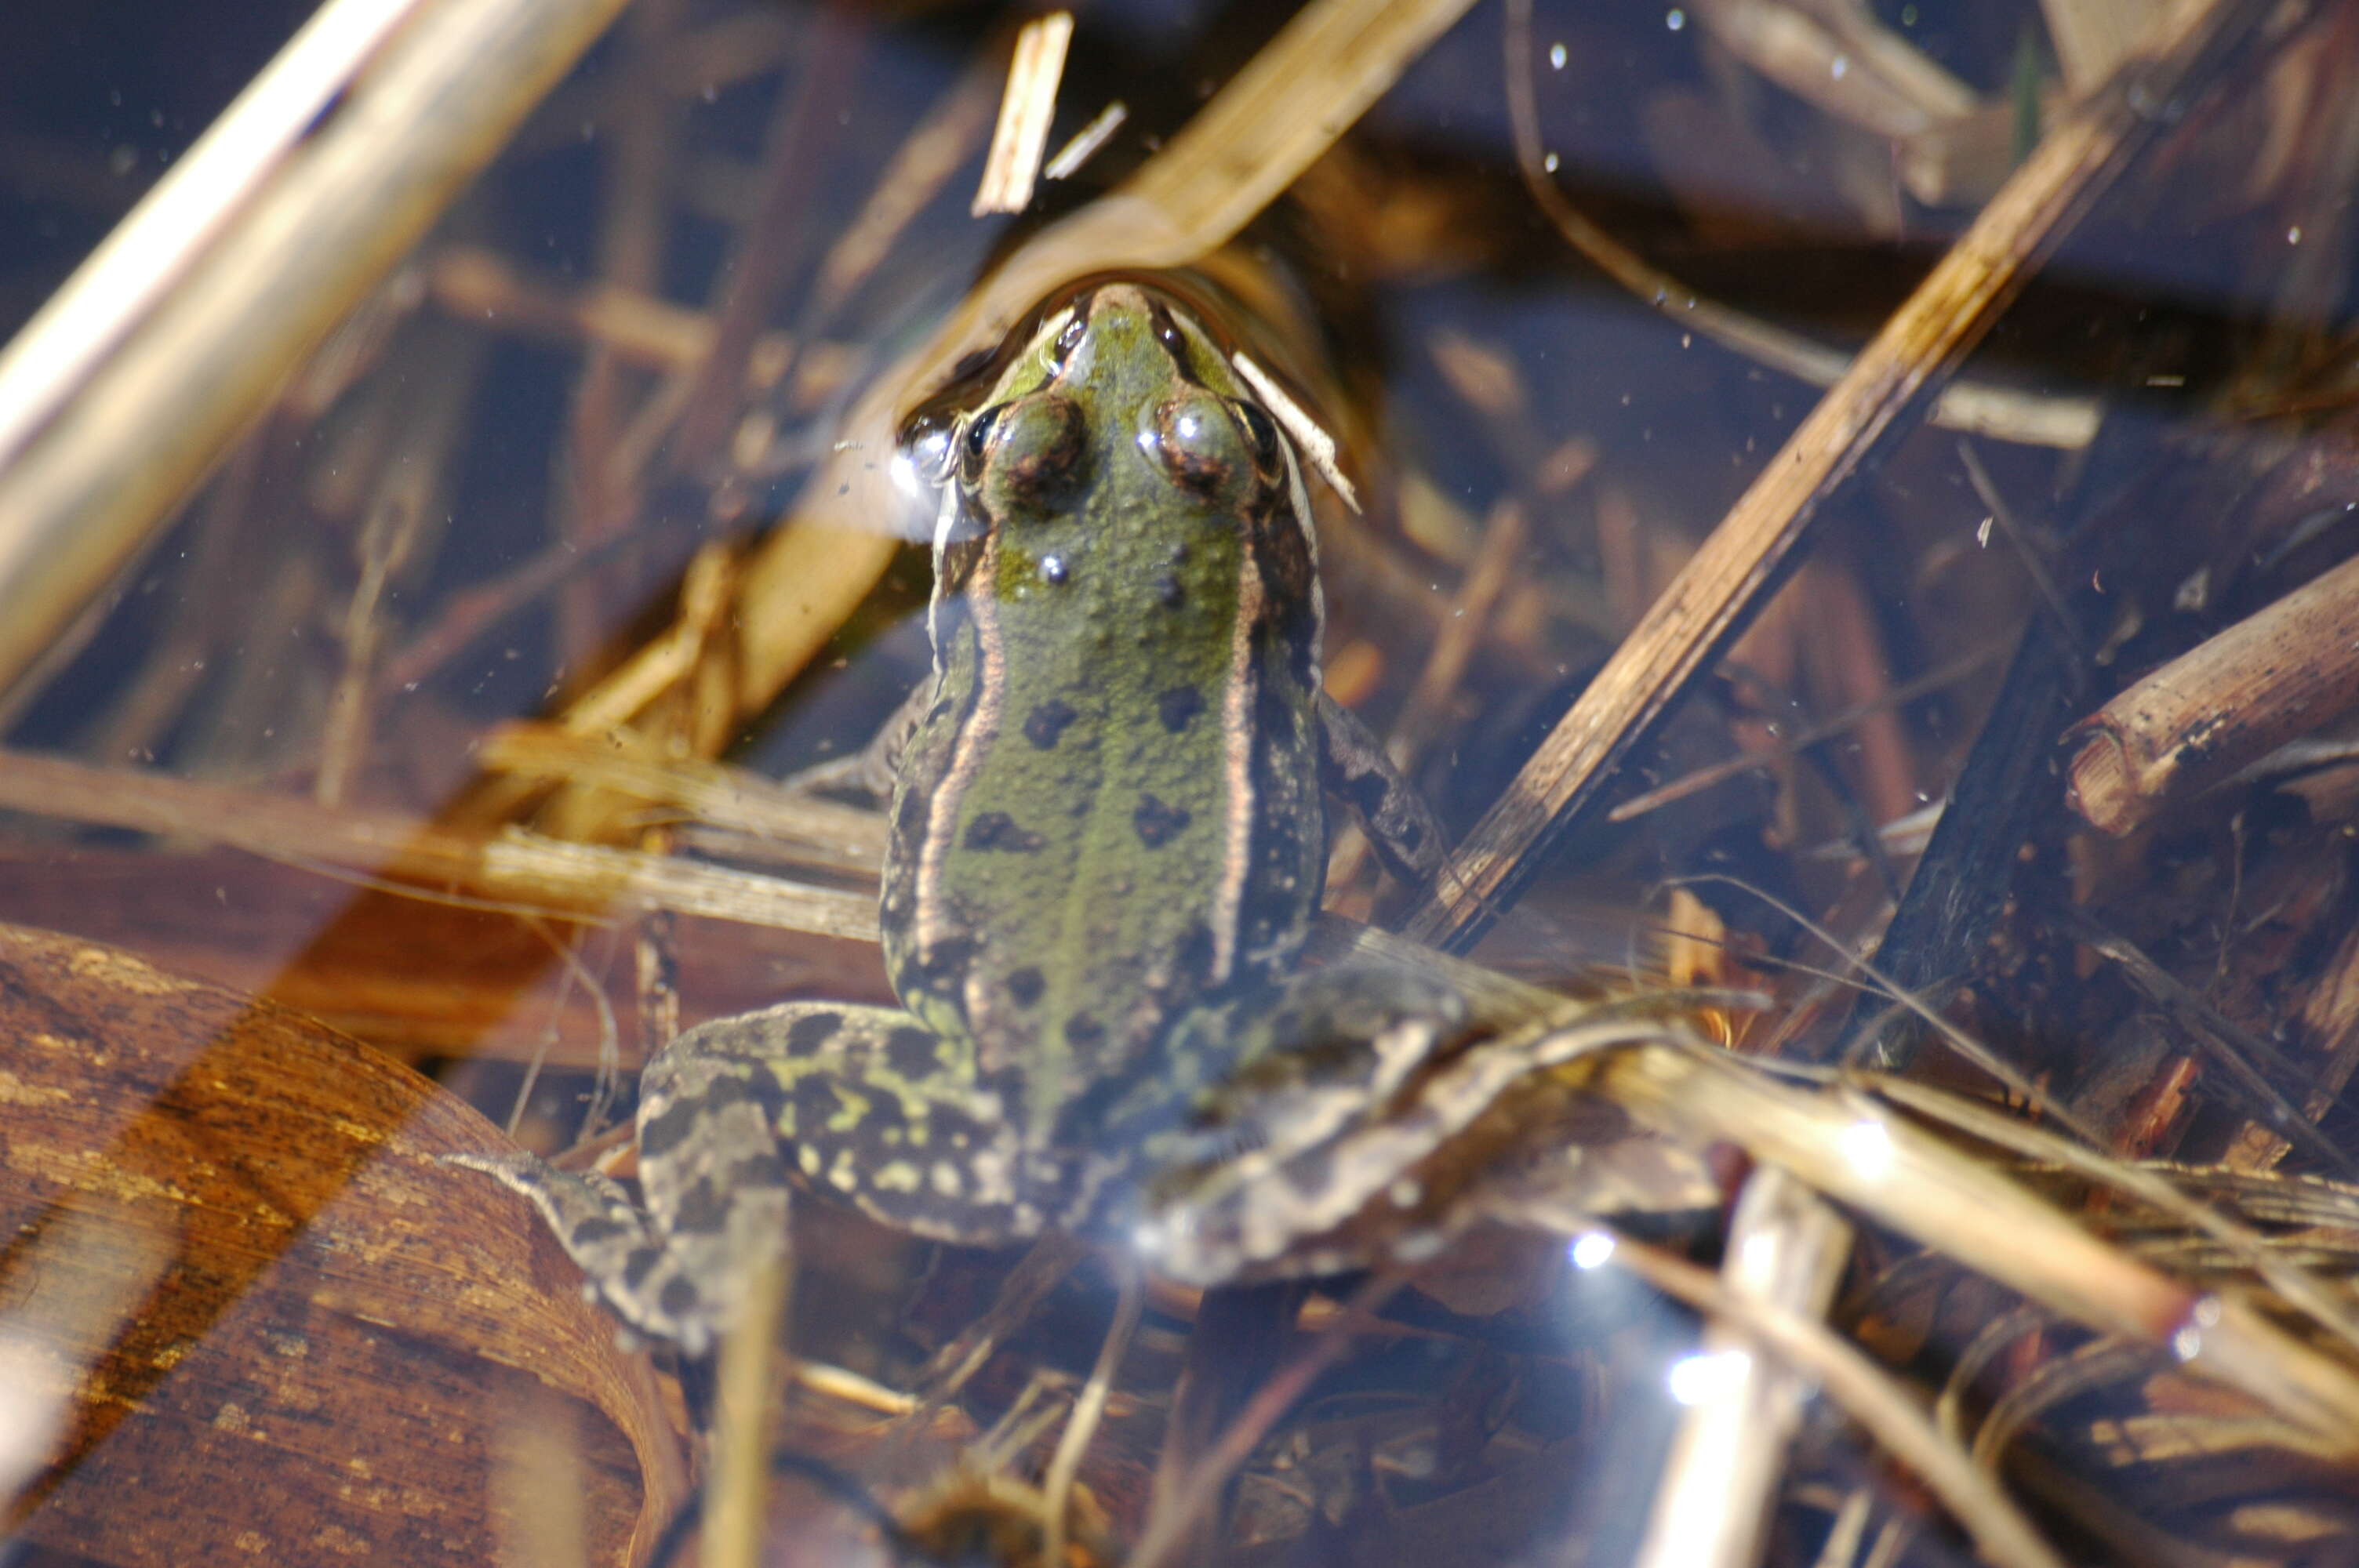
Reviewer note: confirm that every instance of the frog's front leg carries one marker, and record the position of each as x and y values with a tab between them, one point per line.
1401	826
870	774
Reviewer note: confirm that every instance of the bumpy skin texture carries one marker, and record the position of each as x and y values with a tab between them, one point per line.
1110	812
1107	843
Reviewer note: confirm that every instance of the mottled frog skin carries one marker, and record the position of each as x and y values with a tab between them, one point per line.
1106	845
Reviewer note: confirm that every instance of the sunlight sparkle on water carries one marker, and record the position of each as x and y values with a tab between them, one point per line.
1706	1375
1868	1146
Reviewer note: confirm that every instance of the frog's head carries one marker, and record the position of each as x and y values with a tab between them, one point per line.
1123	373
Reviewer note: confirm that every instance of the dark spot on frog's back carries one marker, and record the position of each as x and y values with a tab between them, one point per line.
1047	722
1025	985
1157	824
997	830
913	1053
1081	1030
1176	706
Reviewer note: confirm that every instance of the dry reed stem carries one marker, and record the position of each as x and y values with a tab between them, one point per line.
734	1518
1720	1481
1089	1408
1919	1186
1904	1178
802	584
2001	413
167	233
1464	623
1730	575
2092	36
2249	1065
1838	57
477	285
1085	142
2225	703
158	412
513	869
1869	1395
2295	1285
850	839
1011	168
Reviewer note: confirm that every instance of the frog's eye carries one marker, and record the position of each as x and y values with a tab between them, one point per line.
976	443
1262	431
1198	443
1035	453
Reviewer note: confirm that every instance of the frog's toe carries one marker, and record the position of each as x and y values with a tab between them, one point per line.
626	1266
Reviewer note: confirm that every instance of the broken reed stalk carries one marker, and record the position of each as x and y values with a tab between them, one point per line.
1720	1479
162	236
1089	1407
2003	413
2274	677
156	412
735	1519
1904	1178
1867	1393
1729	576
1012	165
512	868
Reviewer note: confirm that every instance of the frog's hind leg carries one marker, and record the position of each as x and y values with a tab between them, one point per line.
627	1263
716	1203
864	1103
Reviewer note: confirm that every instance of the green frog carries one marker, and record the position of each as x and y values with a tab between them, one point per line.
1107	842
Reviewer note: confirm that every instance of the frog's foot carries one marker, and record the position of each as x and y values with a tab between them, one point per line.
1401	827
661	1287
863	1102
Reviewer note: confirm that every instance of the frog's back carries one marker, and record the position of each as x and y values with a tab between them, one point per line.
1110	813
